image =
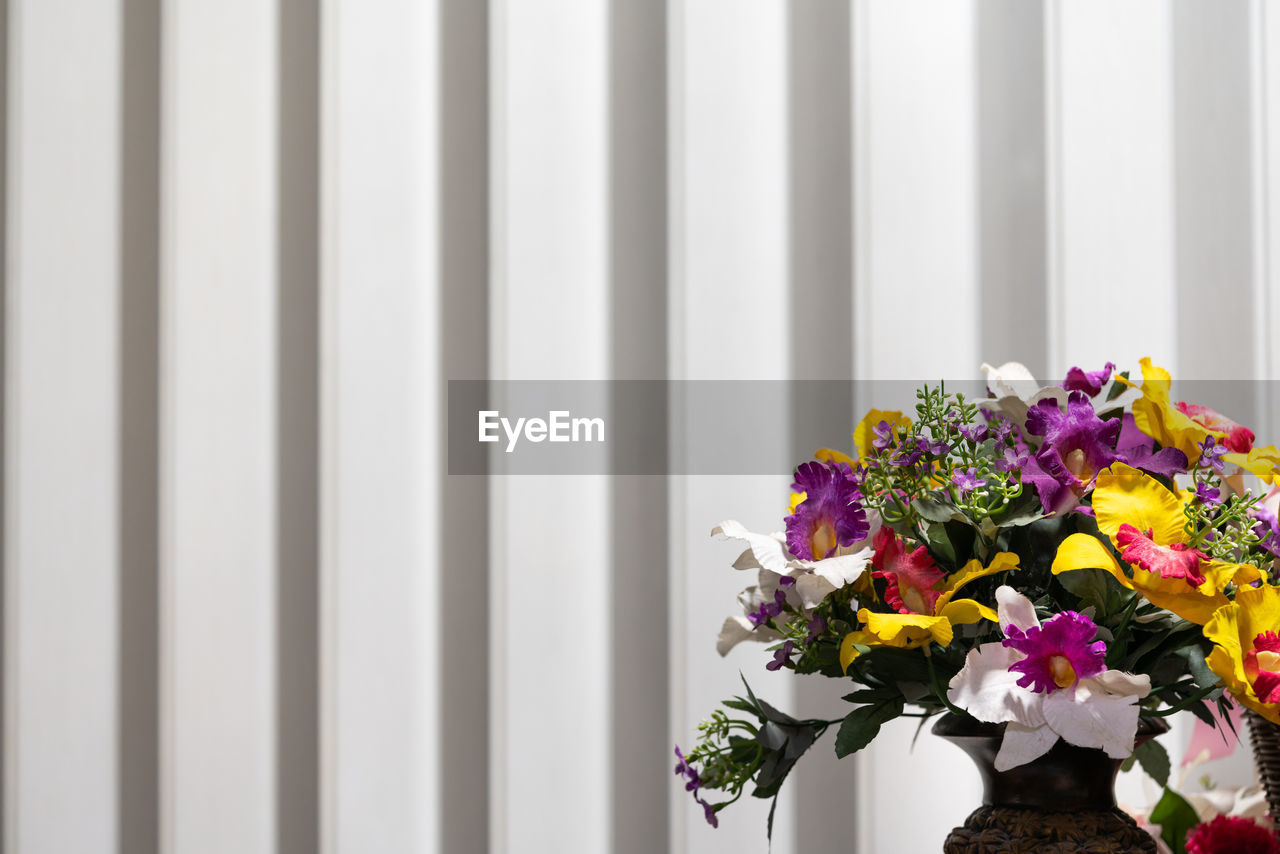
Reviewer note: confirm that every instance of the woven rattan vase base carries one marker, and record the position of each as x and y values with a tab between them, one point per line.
1265	737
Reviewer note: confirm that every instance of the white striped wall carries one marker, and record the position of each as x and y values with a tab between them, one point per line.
246	245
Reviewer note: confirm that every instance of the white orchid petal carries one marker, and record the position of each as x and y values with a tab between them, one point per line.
1010	379
751	599
812	589
769	549
746	560
1021	744
1094	719
986	688
1015	610
844	569
1120	683
738	629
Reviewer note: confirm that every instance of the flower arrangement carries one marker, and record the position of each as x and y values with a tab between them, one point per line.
1058	560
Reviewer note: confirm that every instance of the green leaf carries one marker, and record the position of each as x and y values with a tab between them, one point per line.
1154	759
862	724
1093	586
932	510
940	543
1175	817
1197	665
869	695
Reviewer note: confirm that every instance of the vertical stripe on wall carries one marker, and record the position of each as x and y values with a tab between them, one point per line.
821	296
1265	86
917	250
1214	179
638	616
462	217
62	411
383	664
219	512
1011	183
138	746
296	366
550	319
1111	201
730	315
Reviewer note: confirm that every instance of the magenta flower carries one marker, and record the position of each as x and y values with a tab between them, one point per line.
1058	653
1090	382
831	514
1078	444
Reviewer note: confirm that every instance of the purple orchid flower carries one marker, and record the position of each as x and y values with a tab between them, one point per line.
1077	445
1088	382
1058	653
831	514
817	627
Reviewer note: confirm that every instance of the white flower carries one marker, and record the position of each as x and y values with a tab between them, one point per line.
1097	711
814	579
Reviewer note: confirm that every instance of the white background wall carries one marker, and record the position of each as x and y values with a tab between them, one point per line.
246	245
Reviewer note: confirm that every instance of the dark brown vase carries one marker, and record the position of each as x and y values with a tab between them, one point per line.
1064	802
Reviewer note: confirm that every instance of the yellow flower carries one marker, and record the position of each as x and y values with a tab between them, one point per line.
908	631
864	435
1144	522
1185	426
1157	416
1247	652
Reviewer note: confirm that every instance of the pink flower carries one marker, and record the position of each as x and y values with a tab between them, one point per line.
911	576
1231	835
1177	560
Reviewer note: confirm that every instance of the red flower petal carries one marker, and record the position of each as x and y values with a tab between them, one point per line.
911	576
1174	561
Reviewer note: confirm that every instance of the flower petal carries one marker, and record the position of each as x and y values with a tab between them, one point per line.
1022	744
1088	718
906	631
972	571
986	688
768	549
842	569
1015	609
963	612
1124	495
812	589
738	629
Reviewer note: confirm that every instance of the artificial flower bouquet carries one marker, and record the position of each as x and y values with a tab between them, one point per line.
1058	560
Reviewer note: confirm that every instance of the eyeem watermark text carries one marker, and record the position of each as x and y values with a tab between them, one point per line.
558	426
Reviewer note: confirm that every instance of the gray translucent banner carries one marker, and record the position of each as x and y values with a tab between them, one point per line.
712	427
